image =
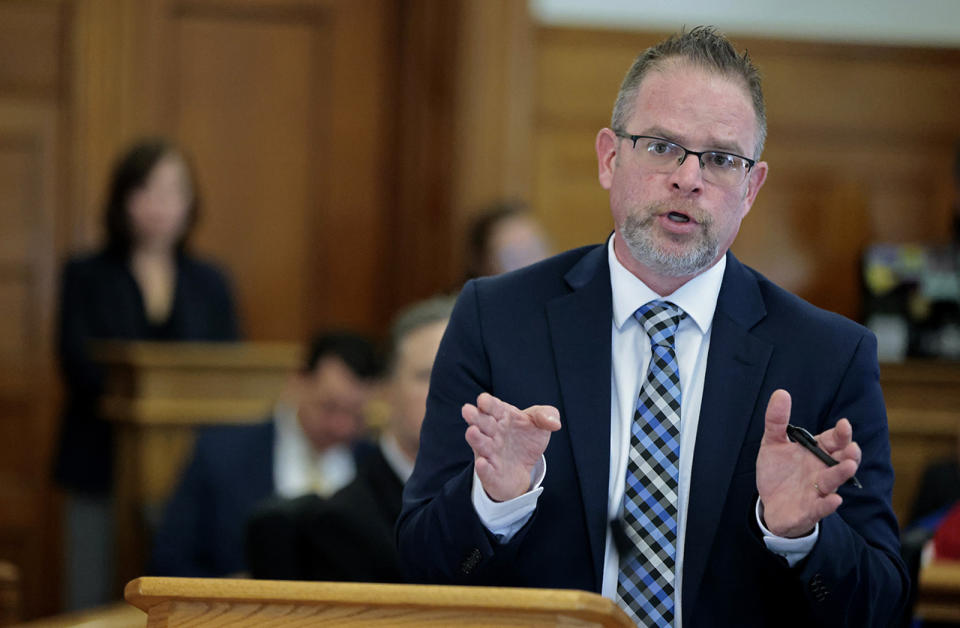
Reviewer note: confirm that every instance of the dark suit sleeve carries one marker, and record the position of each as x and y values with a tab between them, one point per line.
81	374
273	544
346	539
439	535
854	576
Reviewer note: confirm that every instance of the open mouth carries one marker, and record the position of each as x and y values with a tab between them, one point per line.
678	217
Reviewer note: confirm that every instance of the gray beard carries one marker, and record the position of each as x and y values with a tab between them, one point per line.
638	234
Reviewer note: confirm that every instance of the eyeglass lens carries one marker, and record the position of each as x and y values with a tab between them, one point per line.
718	167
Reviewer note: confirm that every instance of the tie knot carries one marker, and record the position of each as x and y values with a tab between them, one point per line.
660	320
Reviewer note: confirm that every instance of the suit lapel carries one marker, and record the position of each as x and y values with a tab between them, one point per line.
580	333
736	365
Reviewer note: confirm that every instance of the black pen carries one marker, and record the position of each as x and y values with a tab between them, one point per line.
806	440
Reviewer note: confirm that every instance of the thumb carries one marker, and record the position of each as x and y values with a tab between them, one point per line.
777	417
544	417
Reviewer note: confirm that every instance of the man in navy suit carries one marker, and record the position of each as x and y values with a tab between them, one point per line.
306	447
764	533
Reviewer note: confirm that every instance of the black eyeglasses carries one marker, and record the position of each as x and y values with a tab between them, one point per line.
664	156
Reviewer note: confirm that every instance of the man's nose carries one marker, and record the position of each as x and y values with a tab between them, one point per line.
688	176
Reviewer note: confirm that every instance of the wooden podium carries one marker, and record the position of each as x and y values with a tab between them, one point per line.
156	394
171	602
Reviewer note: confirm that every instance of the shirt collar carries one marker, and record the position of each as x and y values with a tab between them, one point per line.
395	458
288	426
697	297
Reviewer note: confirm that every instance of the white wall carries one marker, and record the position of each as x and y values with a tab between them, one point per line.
903	22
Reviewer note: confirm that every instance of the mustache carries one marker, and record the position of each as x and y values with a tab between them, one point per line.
662	208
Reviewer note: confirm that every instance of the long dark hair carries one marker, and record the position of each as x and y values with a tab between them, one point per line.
130	173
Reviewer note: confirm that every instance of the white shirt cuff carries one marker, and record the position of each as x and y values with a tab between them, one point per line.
793	550
504	519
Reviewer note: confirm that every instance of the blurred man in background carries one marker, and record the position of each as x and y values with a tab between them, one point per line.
308	446
350	537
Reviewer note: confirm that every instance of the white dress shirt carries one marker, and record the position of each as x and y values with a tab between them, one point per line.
630	360
396	459
298	469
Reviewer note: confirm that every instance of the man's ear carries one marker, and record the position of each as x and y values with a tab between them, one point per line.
606	146
755	180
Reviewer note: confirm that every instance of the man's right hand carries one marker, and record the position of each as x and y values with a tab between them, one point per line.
507	443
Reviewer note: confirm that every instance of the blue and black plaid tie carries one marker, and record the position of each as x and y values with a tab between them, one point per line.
646	582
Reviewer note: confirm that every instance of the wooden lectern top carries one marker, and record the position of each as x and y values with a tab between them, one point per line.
209	601
283	355
193	383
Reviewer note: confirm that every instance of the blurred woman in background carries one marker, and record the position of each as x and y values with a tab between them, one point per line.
142	285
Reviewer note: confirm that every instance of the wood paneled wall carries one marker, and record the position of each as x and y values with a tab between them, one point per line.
283	107
32	139
860	147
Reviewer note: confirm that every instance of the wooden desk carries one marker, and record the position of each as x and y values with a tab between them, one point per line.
157	393
116	615
923	410
171	602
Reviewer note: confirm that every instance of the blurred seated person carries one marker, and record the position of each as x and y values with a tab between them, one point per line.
934	506
939	491
143	284
349	537
942	546
309	445
504	237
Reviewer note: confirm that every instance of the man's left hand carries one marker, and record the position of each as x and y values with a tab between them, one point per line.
796	489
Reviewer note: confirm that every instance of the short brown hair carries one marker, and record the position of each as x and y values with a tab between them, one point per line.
706	48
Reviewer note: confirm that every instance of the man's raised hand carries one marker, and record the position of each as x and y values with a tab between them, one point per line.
796	489
507	443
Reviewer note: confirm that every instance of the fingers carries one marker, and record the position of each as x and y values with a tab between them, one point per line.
496	408
832	478
777	417
480	443
483	421
544	417
489	411
825	506
837	437
850	452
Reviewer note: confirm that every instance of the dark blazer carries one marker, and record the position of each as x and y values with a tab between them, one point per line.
348	537
541	335
100	299
201	533
231	472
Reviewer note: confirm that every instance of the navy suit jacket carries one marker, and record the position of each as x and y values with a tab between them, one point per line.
201	534
204	523
542	335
